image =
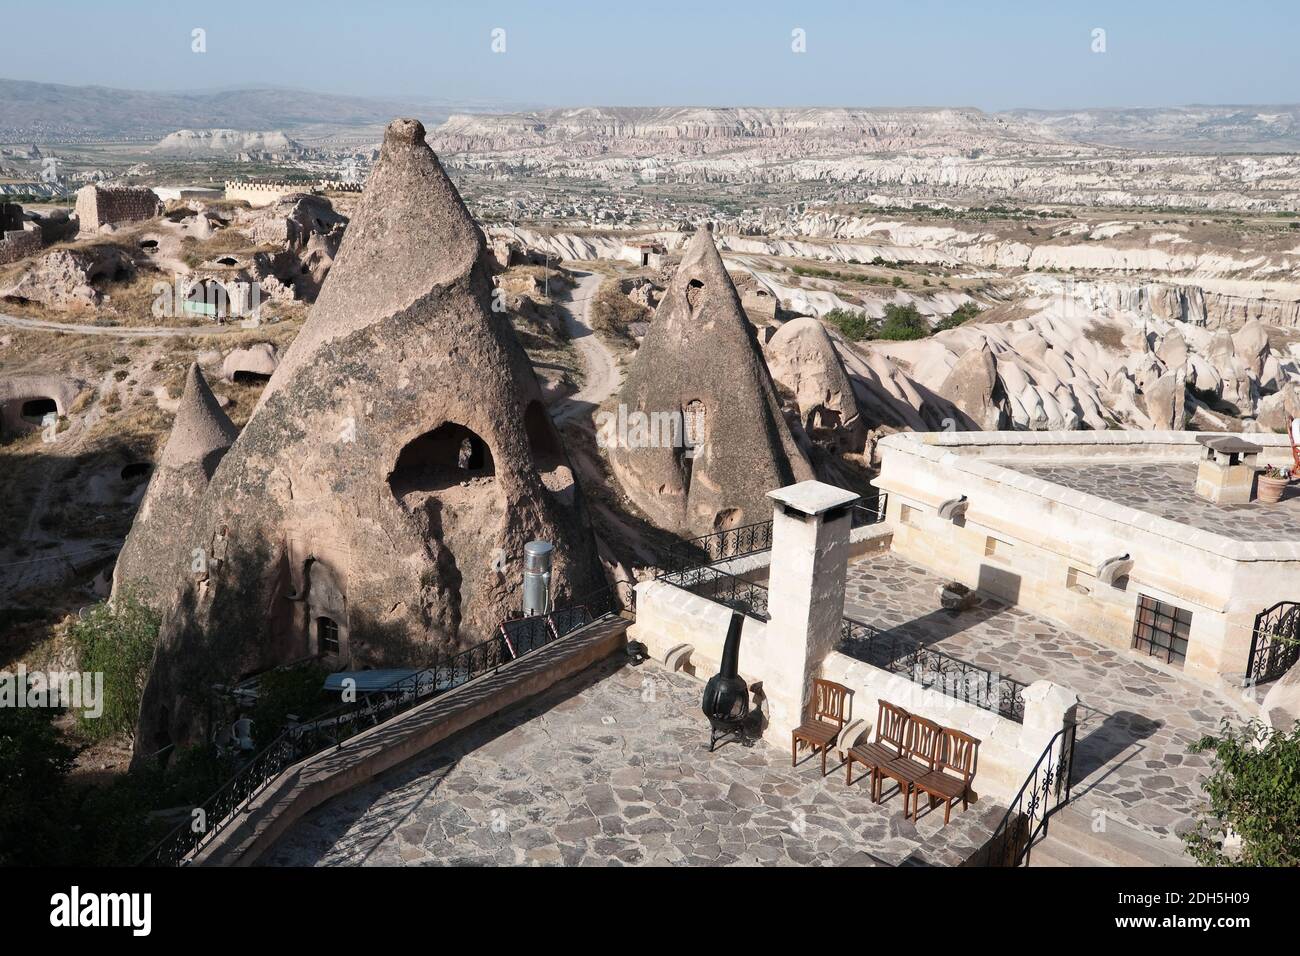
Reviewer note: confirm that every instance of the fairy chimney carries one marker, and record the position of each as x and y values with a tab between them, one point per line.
700	364
375	508
201	433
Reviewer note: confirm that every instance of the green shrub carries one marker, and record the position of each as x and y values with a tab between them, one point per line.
1254	792
902	323
289	690
34	763
116	640
964	313
854	325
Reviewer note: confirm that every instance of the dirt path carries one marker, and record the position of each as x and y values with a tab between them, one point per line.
600	366
137	332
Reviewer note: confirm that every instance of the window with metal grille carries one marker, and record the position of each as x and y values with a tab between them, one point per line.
1161	629
327	636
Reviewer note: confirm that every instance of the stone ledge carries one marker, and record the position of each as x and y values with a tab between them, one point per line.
328	774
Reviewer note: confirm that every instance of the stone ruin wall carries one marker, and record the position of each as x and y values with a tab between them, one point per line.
265	193
99	206
16	241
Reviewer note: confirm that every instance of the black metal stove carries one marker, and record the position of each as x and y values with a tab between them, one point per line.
726	696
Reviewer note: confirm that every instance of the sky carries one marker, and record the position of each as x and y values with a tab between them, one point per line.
1047	54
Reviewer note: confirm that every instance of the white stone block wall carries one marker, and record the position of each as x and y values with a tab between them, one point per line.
1008	750
1049	529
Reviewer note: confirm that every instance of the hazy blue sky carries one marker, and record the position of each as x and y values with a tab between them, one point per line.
713	52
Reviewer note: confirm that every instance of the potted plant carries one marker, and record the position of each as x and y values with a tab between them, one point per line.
1272	482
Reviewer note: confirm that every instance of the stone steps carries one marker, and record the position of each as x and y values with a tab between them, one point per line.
1071	841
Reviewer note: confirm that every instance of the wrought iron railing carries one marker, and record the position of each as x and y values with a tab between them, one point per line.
1045	790
1275	643
870	511
756	538
721	546
717	585
515	638
924	665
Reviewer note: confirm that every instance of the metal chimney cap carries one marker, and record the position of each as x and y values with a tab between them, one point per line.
537	555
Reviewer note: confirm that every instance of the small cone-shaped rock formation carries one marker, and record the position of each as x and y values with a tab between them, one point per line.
700	369
375	508
803	360
201	433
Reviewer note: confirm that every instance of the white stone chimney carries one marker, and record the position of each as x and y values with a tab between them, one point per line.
805	602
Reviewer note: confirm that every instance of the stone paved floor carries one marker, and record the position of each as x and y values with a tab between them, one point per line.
1165	488
610	768
1131	757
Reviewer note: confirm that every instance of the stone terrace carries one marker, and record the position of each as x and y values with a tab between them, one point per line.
1167	489
1135	721
610	768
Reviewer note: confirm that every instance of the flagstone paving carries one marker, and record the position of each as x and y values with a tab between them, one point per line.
1135	722
1165	488
612	768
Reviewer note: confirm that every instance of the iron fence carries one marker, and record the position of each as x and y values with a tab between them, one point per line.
515	638
756	538
722	545
1274	643
1045	790
870	511
924	665
717	585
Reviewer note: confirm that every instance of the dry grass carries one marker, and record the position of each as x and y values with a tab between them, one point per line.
612	311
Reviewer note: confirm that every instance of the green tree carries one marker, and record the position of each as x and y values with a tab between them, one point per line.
962	314
1254	794
34	762
116	640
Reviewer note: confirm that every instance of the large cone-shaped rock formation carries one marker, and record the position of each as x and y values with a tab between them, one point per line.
200	435
701	366
375	508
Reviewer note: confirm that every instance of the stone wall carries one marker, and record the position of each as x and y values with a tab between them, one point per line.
668	617
258	194
17	244
99	206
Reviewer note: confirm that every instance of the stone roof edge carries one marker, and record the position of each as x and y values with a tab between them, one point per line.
921	445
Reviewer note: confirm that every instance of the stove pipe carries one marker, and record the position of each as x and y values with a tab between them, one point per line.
726	696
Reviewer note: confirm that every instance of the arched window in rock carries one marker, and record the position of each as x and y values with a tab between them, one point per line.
448	456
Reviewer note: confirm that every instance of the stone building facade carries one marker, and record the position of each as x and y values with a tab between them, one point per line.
1102	531
99	206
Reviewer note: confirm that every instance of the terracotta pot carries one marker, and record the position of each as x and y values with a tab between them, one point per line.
1270	490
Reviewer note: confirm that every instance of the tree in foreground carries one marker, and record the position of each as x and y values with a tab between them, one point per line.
1253	816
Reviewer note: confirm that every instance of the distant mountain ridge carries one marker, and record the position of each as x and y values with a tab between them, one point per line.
1208	128
99	111
1183	128
36	111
